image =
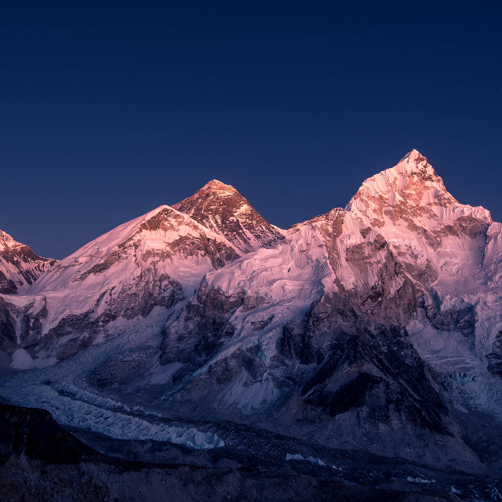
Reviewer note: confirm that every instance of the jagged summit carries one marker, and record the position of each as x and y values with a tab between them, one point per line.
6	241
222	209
414	163
411	182
414	155
411	197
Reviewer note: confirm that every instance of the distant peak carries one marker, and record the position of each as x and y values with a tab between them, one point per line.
408	180
218	186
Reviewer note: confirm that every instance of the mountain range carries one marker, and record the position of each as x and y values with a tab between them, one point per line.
373	329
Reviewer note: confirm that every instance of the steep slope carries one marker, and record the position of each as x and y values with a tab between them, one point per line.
222	209
147	264
20	267
451	254
153	261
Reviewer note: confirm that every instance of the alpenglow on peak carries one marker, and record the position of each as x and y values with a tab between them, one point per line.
222	209
218	186
414	155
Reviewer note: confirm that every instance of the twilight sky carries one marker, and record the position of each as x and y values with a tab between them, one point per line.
110	109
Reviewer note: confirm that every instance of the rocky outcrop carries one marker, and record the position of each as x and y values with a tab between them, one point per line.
363	367
222	209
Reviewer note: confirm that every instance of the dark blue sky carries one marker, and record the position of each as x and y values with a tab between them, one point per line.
110	109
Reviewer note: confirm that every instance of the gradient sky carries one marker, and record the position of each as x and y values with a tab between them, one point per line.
110	109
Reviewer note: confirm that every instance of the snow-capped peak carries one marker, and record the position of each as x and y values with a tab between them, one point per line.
222	209
415	164
414	156
20	267
412	175
411	184
6	241
219	187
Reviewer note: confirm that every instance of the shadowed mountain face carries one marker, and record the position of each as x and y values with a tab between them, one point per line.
34	432
371	328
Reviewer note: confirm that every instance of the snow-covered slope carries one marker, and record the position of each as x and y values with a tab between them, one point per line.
20	267
161	238
222	209
154	261
451	254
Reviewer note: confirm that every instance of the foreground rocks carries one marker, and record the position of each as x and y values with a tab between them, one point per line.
42	462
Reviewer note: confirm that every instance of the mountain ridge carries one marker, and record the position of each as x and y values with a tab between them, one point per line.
20	267
364	328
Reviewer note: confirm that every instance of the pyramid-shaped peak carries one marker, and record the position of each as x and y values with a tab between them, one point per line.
414	162
222	209
414	156
218	186
412	182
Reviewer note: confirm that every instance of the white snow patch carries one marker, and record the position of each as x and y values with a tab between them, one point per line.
317	461
294	456
163	375
420	480
297	456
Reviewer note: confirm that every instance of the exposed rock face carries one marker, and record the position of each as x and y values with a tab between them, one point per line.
222	209
20	267
340	360
372	369
204	325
